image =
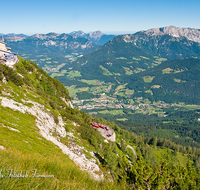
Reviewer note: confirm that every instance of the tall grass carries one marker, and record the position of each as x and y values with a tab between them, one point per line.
66	174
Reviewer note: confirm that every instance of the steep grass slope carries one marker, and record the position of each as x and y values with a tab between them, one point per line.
36	151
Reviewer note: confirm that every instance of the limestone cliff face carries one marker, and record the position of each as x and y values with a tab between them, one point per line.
189	33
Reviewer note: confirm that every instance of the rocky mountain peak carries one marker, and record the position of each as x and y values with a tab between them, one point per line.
96	34
189	33
52	34
44	36
38	36
79	33
91	35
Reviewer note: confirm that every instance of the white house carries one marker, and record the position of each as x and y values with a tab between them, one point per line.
4	49
6	56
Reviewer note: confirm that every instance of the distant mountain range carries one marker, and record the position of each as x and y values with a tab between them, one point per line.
50	49
137	61
53	48
39	43
96	37
13	34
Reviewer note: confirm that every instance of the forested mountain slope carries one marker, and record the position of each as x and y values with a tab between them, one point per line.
172	81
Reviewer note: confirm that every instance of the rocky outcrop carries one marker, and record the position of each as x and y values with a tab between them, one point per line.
128	146
2	148
47	126
92	35
69	103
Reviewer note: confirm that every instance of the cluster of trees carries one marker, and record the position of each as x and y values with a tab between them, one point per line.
39	79
165	175
10	74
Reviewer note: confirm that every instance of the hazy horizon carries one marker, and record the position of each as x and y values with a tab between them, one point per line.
110	17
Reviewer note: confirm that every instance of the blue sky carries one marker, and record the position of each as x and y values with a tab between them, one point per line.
108	16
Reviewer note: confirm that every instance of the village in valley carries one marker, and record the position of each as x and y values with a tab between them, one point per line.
120	108
105	103
117	103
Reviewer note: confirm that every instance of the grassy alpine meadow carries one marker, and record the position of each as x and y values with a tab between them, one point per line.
28	161
74	74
